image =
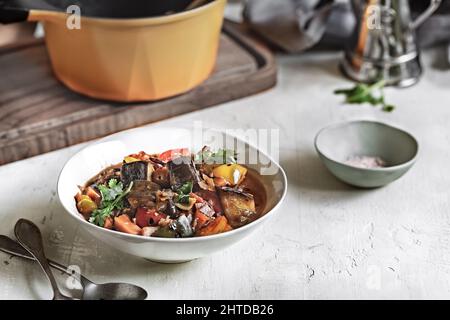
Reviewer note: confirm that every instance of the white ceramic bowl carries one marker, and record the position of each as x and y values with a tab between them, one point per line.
110	150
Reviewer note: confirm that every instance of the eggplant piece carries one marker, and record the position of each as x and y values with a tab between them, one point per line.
238	206
182	170
161	177
138	170
212	199
171	209
165	203
183	226
143	194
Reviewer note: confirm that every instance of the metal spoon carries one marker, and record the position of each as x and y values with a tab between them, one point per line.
30	238
91	290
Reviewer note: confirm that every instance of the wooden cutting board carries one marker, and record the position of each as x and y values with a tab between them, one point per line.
38	114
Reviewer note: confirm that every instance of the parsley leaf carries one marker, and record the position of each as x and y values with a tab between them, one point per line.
221	156
112	190
112	199
364	93
183	193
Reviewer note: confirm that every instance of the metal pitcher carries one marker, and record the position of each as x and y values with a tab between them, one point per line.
384	44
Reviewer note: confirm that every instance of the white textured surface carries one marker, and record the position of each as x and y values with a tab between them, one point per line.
328	240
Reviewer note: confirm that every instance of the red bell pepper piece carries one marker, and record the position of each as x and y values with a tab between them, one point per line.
169	155
148	217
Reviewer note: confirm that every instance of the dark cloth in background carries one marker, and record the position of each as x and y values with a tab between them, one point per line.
297	25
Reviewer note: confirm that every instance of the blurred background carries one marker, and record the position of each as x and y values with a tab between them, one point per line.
293	26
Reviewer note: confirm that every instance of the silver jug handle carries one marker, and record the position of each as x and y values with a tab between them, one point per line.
434	4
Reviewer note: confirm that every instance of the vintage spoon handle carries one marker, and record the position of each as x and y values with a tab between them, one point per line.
30	237
10	246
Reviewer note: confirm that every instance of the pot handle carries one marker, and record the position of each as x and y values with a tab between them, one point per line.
434	4
11	15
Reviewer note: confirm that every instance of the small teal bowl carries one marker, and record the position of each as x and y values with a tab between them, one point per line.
337	143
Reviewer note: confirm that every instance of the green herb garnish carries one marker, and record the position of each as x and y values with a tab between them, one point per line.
112	199
364	93
221	156
111	191
388	108
183	193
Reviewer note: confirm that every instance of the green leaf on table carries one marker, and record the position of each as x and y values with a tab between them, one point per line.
363	93
388	108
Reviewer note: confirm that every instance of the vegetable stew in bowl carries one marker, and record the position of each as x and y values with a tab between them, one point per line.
175	194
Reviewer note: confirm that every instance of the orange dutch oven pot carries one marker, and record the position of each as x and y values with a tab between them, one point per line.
126	50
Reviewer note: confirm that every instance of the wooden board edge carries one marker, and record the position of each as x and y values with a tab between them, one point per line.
266	74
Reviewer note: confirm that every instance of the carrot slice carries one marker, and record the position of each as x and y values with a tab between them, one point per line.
124	224
201	218
109	222
219	225
94	195
79	197
227	228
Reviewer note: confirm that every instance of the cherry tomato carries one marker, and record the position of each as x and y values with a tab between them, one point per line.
174	153
148	217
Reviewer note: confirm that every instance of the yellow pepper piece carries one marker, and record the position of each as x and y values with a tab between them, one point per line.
86	206
130	159
232	173
186	206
